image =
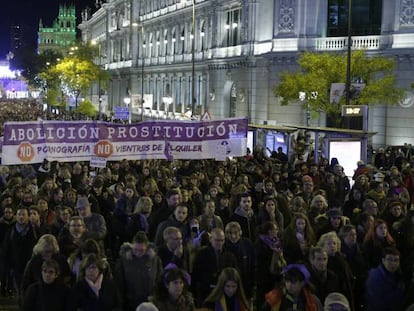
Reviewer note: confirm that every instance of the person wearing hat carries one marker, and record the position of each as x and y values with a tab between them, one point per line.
295	293
336	302
95	223
334	222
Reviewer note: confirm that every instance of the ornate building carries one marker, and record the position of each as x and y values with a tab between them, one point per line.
225	56
62	34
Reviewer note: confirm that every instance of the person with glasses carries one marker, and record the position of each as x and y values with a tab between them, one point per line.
46	248
95	223
48	294
95	289
384	285
72	236
174	250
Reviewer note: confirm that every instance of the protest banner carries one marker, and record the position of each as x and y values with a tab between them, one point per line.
68	141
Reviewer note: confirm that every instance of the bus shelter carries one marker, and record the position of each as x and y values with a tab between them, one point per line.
348	146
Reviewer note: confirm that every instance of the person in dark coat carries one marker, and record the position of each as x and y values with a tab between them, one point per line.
270	261
351	250
18	246
324	280
95	290
172	199
208	264
171	292
384	286
173	250
331	243
243	249
244	215
179	220
136	272
46	248
48	294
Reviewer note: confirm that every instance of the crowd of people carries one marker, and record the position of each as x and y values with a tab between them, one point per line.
251	233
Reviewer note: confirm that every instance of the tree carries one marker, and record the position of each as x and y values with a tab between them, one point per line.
319	70
73	74
76	75
86	108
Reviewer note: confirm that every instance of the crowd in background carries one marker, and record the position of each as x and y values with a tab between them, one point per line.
259	232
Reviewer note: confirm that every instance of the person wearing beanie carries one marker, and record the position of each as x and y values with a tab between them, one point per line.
336	302
147	306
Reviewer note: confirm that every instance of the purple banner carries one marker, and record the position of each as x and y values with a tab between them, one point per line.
31	142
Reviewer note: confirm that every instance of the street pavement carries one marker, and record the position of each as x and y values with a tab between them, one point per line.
8	304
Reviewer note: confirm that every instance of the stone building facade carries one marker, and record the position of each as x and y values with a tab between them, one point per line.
237	52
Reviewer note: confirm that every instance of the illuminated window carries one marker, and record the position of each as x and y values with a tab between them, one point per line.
366	18
232	28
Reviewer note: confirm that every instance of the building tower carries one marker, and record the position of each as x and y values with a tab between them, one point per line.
62	34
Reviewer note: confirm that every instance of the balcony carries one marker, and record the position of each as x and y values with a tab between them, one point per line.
341	43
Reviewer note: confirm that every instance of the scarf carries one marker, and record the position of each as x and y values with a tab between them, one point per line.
95	286
241	212
221	305
22	229
274	299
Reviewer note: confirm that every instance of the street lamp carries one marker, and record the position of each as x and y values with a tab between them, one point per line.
305	97
94	42
193	98
135	25
127	102
167	100
348	59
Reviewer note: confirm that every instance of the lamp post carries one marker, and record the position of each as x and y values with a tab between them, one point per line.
303	96
348	59
127	102
142	73
168	100
94	42
193	98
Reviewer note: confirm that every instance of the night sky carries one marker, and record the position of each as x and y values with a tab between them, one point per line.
27	14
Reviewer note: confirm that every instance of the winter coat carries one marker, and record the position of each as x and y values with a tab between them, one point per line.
136	277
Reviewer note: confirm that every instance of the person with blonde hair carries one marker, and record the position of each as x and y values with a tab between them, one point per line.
331	243
139	219
228	294
46	248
